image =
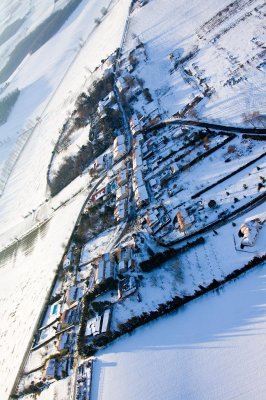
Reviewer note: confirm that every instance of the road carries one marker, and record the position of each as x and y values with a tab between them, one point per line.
207	125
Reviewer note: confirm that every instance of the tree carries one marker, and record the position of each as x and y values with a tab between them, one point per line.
212	204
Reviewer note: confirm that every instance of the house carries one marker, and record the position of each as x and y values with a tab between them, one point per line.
249	232
106	321
120	139
66	263
68	317
106	268
93	326
120	212
109	99
107	102
121	84
138	177
122	266
122	193
49	372
183	220
153	183
121	178
109	269
174	168
119	151
99	324
119	147
99	163
73	294
137	158
63	341
98	195
141	196
127	286
136	125
101	109
152	221
100	272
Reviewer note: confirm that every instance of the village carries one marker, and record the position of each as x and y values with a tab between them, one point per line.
160	189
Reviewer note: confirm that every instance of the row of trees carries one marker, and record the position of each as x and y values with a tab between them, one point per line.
158	258
88	311
86	110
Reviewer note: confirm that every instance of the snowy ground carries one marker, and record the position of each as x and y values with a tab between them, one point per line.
213	349
227	53
48	92
182	275
26	276
214	167
24	283
60	390
64	82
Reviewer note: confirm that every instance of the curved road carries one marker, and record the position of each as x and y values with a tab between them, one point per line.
207	125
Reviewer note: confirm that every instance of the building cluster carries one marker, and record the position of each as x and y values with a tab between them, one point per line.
184	220
109	265
138	184
127	286
120	212
59	332
119	148
156	219
99	324
108	102
105	268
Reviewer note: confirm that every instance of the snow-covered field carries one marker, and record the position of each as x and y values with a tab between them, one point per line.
52	85
58	84
213	349
183	274
24	284
227	49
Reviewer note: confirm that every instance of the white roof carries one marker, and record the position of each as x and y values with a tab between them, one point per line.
250	230
153	182
119	140
122	265
106	318
93	326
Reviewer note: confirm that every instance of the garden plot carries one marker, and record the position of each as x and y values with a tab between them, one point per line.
222	200
59	390
240	188
183	274
215	167
197	50
238	50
